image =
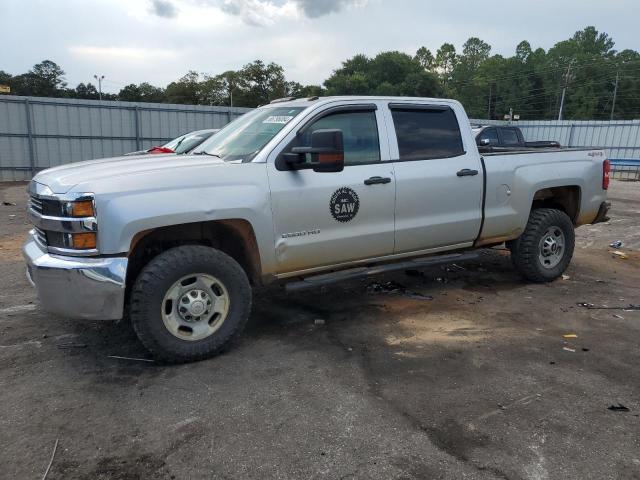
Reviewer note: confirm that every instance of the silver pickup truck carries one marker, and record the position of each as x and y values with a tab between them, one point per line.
304	192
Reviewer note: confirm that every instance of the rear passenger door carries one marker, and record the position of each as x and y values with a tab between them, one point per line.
438	179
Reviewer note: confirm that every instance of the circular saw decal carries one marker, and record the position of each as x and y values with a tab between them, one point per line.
344	204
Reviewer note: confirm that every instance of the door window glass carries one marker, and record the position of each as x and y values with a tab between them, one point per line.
359	134
427	133
509	137
490	134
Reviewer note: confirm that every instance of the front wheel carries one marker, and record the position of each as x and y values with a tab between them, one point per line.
189	302
543	252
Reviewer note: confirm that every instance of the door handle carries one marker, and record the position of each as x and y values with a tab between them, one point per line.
375	180
466	172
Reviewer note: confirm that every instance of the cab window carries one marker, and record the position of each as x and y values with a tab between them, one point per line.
490	134
509	137
427	132
359	134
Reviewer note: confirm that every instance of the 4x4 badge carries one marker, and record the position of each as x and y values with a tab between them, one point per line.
344	204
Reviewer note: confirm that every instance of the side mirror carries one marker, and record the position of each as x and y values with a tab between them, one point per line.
484	142
327	151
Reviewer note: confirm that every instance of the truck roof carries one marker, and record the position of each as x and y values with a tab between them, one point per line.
321	100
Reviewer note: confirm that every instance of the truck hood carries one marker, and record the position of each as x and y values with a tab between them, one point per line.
63	178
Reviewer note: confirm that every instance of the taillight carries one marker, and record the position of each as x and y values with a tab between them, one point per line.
606	170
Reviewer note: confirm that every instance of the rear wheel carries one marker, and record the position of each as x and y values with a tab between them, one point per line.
189	302
543	252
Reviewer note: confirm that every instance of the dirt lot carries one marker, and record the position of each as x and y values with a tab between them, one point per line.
474	383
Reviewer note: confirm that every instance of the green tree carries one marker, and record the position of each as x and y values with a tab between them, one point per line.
446	60
425	58
86	91
185	90
388	73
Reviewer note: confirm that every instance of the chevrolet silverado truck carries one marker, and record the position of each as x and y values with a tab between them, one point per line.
303	192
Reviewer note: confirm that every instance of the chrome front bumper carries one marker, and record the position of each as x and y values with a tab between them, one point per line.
77	287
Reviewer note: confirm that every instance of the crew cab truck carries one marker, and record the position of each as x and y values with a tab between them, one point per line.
303	192
496	138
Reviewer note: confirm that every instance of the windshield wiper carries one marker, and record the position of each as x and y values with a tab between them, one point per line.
202	152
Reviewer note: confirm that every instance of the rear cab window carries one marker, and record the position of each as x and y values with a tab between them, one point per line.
426	132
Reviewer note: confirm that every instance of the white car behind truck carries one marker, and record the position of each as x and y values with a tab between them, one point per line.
304	192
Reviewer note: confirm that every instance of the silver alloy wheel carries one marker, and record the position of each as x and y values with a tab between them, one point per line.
551	247
195	306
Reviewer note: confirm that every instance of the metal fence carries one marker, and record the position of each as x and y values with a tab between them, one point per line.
38	133
619	138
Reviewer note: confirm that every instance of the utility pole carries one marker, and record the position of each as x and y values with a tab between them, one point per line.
615	93
564	90
99	79
489	107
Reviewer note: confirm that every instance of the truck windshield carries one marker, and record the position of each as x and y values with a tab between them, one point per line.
242	139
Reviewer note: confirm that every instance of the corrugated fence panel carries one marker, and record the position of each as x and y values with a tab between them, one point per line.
619	138
37	133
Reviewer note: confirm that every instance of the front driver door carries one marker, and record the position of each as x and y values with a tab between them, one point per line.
323	219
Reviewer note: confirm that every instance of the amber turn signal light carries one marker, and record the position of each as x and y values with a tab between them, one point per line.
83	241
83	208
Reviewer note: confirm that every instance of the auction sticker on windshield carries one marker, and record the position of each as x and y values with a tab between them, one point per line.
278	119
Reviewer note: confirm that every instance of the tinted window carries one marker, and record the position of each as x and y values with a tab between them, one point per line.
509	137
359	134
490	134
425	134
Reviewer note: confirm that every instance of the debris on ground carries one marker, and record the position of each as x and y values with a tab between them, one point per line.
570	335
626	308
131	358
615	315
392	287
620	254
569	349
71	345
565	277
53	455
12	216
8	204
319	321
618	408
616	244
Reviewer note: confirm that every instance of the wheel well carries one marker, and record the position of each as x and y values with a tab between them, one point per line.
566	199
235	237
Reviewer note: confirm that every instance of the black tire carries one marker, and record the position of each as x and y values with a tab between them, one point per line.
525	251
157	277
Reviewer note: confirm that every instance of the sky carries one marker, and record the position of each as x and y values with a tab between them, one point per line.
158	41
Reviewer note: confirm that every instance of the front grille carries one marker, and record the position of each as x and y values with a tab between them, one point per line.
41	236
53	227
35	204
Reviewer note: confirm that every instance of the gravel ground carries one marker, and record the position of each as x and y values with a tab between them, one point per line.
474	383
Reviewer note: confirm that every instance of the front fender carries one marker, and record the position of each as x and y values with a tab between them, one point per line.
242	192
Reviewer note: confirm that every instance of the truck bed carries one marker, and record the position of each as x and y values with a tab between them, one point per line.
508	174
